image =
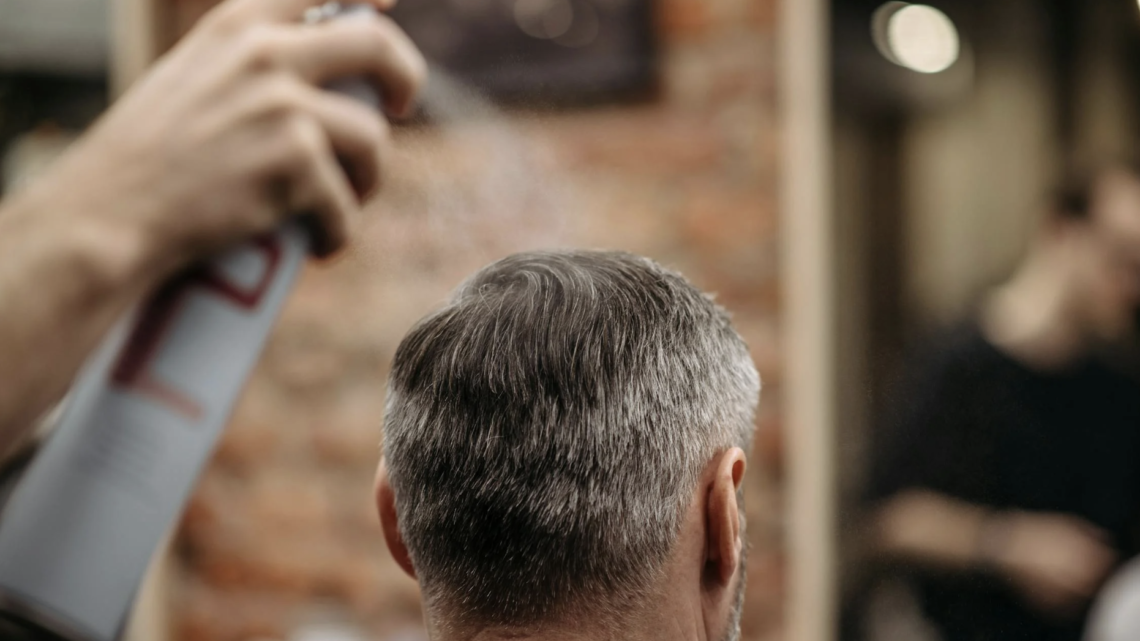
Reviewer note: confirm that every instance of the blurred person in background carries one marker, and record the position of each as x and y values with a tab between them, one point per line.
1009	485
227	136
564	453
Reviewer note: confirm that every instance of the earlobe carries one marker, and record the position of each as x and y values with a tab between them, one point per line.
389	521
725	539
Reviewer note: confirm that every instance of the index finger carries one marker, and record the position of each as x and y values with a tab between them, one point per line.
374	47
257	11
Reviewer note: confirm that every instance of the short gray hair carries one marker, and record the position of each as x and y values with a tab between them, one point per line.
545	432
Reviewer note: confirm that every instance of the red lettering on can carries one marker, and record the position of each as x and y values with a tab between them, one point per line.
134	369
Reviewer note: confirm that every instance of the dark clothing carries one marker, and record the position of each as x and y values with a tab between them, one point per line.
972	423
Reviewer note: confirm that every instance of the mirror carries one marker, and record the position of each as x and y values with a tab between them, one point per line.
983	185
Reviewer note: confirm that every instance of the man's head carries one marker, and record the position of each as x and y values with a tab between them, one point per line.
1096	218
564	443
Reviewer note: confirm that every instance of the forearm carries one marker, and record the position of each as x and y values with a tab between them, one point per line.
65	278
931	529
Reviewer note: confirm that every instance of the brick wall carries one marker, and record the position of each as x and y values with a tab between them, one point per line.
283	519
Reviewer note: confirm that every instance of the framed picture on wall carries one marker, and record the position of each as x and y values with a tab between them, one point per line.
552	50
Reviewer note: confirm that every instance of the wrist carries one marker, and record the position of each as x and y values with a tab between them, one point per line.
991	541
76	242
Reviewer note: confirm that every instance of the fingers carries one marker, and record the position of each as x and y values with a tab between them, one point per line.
371	46
319	186
364	45
1081	567
358	135
246	12
331	146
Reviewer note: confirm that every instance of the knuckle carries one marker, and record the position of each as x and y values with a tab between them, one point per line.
419	71
261	48
379	27
382	32
377	132
305	138
283	94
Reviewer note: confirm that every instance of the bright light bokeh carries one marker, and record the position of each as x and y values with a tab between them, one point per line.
920	38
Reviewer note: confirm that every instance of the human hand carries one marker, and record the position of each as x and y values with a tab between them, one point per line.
230	133
1056	562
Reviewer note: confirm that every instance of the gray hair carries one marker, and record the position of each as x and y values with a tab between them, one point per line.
545	432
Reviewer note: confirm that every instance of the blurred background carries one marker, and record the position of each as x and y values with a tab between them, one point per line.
957	129
848	176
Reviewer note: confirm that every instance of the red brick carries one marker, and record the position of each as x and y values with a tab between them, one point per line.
769	446
639	141
245	444
763	14
680	19
766	575
718	219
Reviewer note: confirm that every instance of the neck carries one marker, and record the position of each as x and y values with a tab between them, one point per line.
447	632
674	609
662	630
1033	317
665	620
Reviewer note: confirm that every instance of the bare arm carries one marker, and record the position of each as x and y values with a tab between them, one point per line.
1056	561
931	529
64	281
226	137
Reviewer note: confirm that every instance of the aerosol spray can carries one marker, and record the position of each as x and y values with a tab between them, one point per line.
145	414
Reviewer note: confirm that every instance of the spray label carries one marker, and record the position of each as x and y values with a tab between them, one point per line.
80	528
242	280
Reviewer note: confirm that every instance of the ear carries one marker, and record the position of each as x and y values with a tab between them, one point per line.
725	542
390	522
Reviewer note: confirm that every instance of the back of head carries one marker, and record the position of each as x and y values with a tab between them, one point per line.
546	429
1085	263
